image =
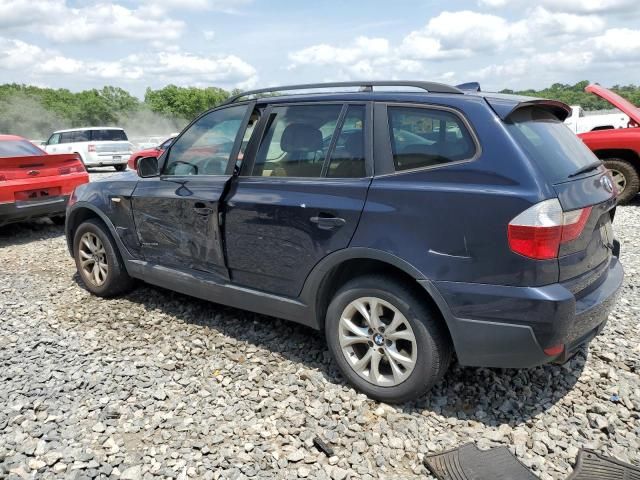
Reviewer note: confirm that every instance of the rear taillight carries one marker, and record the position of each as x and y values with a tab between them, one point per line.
64	171
3	178
91	148
539	231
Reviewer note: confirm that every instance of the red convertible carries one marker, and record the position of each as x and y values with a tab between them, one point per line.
34	184
619	149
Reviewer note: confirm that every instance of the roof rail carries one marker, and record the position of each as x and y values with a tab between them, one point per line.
432	87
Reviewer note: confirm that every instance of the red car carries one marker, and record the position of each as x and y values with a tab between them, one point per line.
35	184
149	152
619	149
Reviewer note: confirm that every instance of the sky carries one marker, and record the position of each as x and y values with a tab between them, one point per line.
517	44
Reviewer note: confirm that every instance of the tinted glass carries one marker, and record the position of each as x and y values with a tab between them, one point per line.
421	137
166	144
108	136
296	141
54	140
347	158
80	136
549	143
65	137
205	148
18	148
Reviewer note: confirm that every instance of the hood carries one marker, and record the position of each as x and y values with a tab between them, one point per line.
616	100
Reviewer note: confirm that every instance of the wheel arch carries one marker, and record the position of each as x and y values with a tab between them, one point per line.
83	211
622	153
342	266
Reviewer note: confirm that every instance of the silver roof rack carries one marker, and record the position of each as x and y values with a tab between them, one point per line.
432	87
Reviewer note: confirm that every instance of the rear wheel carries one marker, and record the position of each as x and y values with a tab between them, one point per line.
120	168
625	177
98	260
386	340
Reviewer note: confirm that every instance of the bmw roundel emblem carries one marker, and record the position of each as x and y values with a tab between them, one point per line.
607	183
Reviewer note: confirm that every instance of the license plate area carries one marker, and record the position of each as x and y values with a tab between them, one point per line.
38	194
117	157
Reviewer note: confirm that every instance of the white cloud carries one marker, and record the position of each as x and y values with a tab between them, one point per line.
166	66
226	6
591	6
493	3
18	13
209	34
16	54
111	21
324	54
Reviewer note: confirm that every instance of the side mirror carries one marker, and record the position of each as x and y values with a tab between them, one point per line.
148	167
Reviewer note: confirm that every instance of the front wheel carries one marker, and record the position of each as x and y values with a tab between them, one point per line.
386	340
625	177
120	168
98	260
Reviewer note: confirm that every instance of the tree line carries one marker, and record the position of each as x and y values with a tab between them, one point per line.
35	112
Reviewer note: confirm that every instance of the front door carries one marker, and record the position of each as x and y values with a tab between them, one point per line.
177	213
300	193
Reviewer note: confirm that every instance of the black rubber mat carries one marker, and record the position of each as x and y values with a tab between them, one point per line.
469	463
592	466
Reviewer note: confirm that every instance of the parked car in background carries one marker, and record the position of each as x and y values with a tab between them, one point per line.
154	151
579	122
464	222
34	184
619	149
96	146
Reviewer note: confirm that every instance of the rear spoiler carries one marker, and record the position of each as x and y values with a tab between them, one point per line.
508	105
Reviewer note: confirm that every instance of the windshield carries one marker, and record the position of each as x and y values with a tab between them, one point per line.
18	148
549	143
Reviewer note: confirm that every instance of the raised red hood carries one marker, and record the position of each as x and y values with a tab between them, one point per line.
616	100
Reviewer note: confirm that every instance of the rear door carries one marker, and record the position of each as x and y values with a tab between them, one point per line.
177	213
300	193
583	186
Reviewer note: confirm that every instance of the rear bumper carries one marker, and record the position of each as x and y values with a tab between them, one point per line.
107	160
25	210
504	326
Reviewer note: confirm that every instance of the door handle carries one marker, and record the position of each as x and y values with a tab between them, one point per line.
328	223
201	209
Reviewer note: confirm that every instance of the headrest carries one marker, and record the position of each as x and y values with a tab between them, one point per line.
301	137
355	145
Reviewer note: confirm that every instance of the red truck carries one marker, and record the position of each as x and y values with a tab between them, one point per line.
619	149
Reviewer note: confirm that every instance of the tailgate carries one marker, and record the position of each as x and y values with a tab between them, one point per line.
588	255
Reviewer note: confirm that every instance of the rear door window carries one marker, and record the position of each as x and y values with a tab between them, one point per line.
426	137
549	143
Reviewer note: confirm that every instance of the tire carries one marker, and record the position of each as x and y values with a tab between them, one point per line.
116	280
624	171
58	220
120	168
432	346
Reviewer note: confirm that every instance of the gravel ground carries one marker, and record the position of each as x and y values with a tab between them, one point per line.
159	385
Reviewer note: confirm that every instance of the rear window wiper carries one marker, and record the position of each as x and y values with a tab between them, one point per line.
586	168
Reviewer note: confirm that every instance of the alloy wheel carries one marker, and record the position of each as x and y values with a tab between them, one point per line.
619	180
93	259
377	341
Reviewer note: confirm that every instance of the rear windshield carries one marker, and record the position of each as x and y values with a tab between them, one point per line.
549	143
108	136
18	148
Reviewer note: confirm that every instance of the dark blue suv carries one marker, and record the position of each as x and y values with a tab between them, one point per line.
406	220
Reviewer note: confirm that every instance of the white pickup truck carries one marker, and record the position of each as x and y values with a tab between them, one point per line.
579	122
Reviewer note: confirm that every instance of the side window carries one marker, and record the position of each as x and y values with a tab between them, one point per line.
347	159
80	136
423	137
166	144
248	131
205	148
66	137
54	140
296	141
